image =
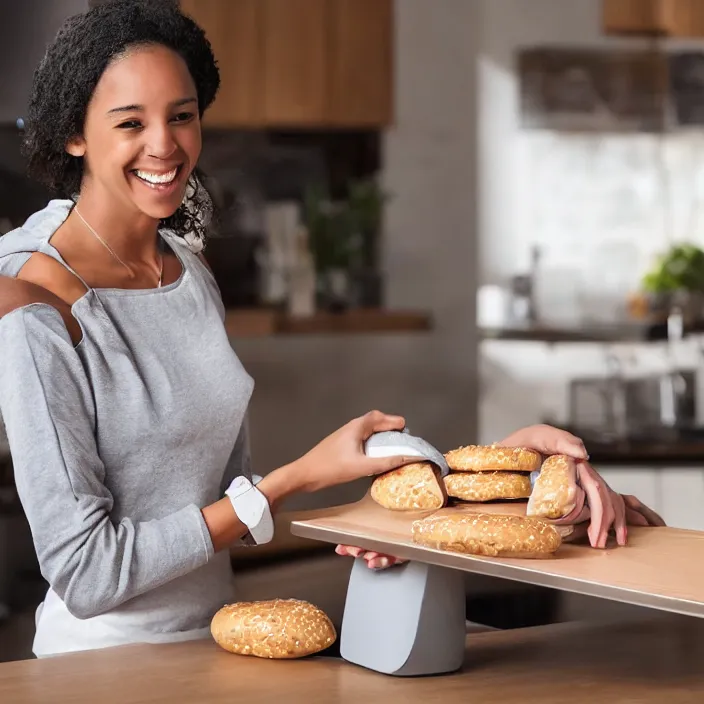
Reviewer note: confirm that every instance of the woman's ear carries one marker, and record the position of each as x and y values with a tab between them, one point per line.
76	146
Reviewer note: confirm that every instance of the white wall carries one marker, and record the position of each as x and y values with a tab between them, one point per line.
307	387
599	206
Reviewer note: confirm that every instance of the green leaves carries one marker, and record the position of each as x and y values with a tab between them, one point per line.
680	269
345	233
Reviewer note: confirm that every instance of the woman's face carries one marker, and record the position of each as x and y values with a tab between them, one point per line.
141	136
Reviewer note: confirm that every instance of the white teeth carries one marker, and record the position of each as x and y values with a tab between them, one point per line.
157	178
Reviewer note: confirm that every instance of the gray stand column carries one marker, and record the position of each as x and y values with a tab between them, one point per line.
407	620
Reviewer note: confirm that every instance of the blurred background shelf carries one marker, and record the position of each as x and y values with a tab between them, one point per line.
264	323
617	333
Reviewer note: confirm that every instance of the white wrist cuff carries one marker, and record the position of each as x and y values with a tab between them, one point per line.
252	508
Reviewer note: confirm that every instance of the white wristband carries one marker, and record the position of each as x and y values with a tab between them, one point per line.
252	508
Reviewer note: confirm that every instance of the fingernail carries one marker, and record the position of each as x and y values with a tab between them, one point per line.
384	562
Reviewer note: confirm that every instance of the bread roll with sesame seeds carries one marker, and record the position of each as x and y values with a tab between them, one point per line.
492	535
414	487
487	486
274	629
490	458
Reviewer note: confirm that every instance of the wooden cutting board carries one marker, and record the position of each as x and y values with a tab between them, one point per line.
661	568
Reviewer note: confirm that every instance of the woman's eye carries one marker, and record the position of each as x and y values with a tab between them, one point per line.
129	125
183	117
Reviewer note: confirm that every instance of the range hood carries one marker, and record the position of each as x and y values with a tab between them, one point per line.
26	28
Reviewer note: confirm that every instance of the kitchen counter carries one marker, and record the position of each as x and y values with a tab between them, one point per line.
649	662
681	453
661	447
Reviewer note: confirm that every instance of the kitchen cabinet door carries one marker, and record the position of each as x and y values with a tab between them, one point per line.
673	18
682	500
361	50
233	29
636	16
295	62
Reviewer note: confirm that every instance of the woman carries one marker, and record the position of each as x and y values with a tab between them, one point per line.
124	403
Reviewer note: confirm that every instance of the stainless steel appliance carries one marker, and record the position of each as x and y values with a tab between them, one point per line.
618	407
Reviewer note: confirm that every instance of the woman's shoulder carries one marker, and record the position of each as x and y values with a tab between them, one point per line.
18	245
23	297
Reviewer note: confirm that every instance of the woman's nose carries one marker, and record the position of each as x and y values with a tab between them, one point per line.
161	143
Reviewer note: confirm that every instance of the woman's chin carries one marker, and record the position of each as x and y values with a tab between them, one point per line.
157	202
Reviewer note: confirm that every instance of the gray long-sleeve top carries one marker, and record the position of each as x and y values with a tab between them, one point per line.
119	441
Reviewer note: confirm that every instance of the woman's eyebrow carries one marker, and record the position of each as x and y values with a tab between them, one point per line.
140	108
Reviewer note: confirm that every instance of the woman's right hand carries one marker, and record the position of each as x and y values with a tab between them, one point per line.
340	458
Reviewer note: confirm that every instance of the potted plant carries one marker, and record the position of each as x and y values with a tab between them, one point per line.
366	201
677	279
332	245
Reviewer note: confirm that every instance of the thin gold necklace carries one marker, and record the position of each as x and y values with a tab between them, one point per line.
112	252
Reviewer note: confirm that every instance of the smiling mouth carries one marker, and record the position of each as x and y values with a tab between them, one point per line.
158	180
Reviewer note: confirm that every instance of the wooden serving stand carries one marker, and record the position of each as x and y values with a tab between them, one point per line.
410	620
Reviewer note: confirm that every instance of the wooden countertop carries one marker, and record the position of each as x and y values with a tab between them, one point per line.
258	322
661	568
649	662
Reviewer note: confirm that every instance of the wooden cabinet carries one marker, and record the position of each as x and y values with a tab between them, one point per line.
300	63
233	31
668	18
295	61
361	62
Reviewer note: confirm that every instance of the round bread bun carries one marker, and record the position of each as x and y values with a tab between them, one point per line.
413	487
275	629
490	458
487	486
487	534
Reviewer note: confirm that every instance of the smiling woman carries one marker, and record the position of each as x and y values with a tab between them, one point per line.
124	402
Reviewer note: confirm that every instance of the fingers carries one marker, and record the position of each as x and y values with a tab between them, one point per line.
572	447
374	560
634	518
602	512
560	442
376	422
620	525
348	551
652	518
548	441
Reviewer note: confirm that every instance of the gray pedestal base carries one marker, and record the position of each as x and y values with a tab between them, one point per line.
407	620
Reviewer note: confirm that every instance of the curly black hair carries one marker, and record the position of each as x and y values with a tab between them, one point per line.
67	75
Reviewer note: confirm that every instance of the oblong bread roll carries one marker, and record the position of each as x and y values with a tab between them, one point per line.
554	493
275	629
415	486
489	458
487	534
487	486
